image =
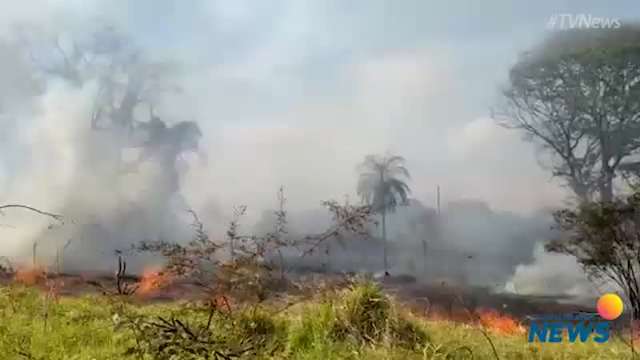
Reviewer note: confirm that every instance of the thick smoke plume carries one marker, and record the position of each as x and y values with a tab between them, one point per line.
240	106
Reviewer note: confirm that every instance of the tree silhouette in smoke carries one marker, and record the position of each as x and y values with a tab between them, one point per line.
126	81
165	145
127	164
381	187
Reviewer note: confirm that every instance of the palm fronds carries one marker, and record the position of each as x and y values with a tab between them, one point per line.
380	183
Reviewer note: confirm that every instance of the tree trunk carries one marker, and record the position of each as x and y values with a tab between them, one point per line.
384	241
282	270
580	189
606	173
633	296
328	253
606	187
384	222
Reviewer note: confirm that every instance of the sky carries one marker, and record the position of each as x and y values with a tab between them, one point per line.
297	92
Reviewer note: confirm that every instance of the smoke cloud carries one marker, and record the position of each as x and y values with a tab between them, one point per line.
293	94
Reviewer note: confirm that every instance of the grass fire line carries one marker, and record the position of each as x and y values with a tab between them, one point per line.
355	316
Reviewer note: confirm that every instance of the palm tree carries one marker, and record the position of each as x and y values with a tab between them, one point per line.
381	186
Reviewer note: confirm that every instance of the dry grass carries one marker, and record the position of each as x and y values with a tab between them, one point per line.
359	322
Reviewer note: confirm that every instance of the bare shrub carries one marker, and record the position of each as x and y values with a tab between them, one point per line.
215	336
248	272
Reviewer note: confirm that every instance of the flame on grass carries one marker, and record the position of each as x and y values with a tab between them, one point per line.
30	275
152	281
489	319
500	323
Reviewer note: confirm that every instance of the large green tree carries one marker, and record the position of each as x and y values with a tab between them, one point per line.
577	95
382	186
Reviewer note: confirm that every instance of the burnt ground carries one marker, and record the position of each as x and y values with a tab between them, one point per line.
440	300
456	302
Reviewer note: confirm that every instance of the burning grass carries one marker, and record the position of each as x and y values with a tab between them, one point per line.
359	322
152	281
30	275
500	323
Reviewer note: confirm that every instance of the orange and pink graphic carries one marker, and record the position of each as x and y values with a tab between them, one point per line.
610	306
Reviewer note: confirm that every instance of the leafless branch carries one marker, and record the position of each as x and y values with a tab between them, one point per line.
56	217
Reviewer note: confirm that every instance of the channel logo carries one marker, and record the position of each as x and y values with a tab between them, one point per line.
581	327
610	306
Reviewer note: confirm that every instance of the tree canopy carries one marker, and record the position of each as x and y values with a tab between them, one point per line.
577	95
380	183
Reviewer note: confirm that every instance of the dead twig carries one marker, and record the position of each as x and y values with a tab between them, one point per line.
26	207
122	287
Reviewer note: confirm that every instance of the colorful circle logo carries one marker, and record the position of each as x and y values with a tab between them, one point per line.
610	306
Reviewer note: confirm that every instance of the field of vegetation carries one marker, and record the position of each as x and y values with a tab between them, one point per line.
356	322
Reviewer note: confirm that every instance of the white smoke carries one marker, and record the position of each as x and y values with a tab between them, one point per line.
48	134
553	275
280	102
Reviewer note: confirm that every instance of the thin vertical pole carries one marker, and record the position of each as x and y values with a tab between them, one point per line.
35	247
438	198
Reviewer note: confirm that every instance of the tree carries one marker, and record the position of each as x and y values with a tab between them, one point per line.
127	80
578	97
124	82
604	237
380	186
127	83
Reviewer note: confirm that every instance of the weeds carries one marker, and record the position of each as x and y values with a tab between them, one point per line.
171	338
365	313
369	316
217	336
93	328
362	317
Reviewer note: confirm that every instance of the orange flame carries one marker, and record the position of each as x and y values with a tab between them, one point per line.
500	323
30	275
153	280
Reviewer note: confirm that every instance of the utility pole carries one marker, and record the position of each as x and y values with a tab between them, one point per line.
34	256
438	198
424	242
439	223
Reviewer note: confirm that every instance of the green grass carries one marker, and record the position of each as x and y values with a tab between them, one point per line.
358	323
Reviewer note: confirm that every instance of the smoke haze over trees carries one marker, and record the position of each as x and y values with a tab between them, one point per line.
577	96
293	93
